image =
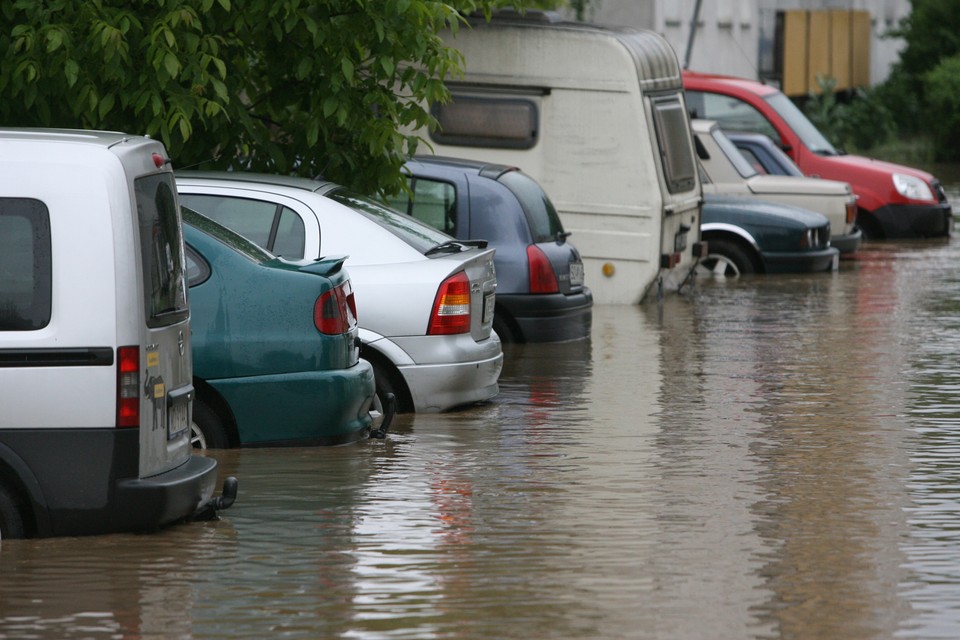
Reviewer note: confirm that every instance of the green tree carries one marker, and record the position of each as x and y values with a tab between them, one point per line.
914	91
286	86
942	91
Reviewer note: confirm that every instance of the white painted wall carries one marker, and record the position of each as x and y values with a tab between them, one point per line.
731	33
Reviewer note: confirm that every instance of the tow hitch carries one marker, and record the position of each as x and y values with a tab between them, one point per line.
226	498
389	410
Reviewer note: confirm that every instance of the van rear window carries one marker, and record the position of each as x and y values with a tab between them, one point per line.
161	250
26	288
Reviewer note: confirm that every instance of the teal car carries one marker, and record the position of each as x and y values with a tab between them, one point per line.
745	235
276	356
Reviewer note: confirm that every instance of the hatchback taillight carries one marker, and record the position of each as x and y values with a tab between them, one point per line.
128	387
451	308
542	277
335	311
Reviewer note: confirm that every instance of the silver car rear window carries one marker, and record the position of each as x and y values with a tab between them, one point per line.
418	235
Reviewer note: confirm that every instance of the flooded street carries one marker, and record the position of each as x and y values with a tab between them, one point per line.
770	457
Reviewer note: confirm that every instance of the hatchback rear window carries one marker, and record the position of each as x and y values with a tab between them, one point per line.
161	250
541	215
26	288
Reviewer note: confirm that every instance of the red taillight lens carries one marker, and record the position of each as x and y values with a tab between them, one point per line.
451	308
542	277
335	312
128	387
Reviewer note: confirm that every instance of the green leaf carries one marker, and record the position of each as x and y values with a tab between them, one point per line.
106	104
347	67
171	64
330	105
54	40
72	71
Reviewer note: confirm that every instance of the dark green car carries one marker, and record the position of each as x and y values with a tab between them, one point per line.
745	235
275	345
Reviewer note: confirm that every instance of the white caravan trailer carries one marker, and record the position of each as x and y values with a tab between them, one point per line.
597	116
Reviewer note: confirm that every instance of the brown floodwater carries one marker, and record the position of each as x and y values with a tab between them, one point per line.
769	457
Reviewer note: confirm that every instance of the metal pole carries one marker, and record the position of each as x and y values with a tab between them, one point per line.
693	33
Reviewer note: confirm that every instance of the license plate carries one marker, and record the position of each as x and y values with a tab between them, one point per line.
178	414
488	304
576	274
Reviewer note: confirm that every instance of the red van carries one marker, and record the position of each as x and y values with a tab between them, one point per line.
893	201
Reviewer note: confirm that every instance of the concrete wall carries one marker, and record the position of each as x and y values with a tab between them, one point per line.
736	36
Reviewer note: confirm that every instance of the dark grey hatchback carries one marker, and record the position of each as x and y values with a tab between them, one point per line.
541	296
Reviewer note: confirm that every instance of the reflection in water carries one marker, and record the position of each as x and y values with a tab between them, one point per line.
760	458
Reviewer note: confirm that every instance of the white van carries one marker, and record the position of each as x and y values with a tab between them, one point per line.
95	363
596	116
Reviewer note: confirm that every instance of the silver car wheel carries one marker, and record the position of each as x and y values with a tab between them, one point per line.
717	266
197	440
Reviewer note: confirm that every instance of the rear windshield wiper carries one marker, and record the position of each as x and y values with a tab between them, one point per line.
455	246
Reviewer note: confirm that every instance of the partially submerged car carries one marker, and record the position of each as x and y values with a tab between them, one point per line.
275	351
754	236
425	301
726	171
893	201
95	359
541	296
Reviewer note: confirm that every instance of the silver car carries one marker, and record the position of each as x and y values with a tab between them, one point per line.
424	300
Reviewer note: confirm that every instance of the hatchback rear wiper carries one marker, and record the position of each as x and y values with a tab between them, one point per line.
456	246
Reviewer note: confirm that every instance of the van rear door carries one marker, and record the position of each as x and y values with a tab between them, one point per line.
165	359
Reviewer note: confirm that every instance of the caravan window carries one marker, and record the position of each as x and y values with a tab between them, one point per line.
676	149
26	287
507	123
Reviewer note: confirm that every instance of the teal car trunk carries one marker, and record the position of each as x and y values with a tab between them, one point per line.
275	345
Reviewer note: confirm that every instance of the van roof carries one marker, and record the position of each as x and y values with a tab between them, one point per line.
103	138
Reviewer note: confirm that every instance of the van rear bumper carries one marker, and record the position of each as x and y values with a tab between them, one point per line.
86	481
149	503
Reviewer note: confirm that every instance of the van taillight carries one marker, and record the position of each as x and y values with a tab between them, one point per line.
128	387
451	308
542	277
335	312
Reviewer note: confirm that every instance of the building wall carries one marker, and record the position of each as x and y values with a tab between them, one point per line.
736	36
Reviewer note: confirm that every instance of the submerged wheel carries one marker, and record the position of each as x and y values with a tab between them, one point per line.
11	520
206	430
725	260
